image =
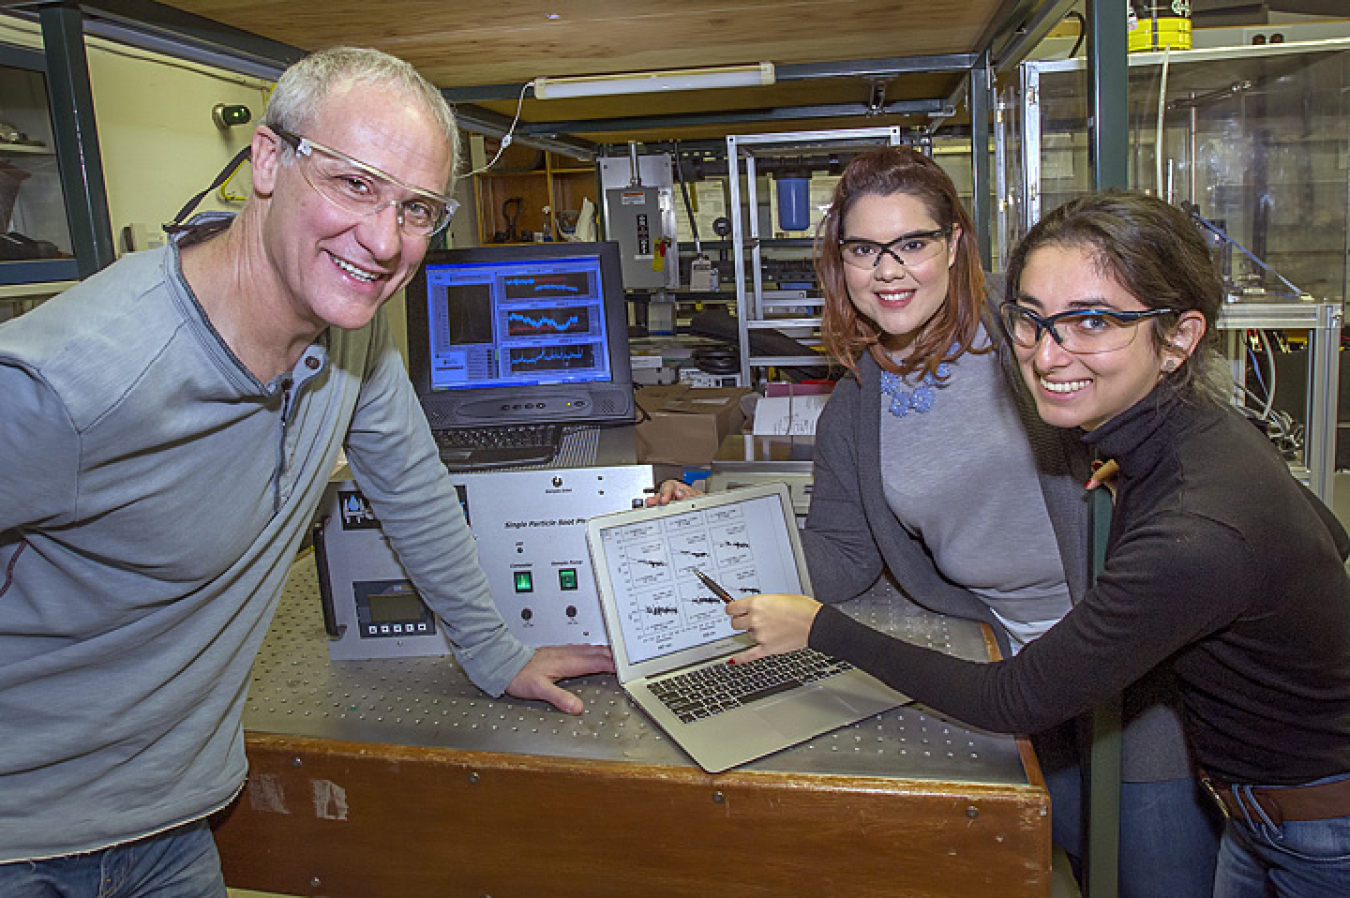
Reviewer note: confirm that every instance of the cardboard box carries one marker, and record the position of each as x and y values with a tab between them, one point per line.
684	425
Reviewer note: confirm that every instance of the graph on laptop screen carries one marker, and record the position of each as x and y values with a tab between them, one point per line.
514	334
663	607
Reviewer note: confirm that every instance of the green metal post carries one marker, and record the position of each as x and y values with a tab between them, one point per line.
77	150
1108	73
1109	84
1101	869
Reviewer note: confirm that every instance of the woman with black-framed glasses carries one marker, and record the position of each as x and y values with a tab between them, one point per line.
1220	566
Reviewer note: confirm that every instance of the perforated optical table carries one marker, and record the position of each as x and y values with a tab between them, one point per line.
399	778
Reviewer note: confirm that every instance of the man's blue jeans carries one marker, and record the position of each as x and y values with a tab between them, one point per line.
179	863
1297	859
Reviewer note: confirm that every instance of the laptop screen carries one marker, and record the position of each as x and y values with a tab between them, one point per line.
661	606
508	334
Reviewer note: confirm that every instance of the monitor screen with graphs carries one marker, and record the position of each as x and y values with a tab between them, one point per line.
508	334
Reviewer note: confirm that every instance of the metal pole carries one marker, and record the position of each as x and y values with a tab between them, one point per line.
77	152
1101	867
980	202
1108	72
1323	389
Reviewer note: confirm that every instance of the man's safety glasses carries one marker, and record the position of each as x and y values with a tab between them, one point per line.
362	189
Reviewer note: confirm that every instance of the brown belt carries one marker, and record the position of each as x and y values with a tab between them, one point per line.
1316	802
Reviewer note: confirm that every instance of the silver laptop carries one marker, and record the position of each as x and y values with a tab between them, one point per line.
670	633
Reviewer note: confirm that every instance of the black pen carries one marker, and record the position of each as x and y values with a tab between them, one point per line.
713	585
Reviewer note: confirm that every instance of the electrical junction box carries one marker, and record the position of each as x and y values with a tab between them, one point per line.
640	215
634	220
530	529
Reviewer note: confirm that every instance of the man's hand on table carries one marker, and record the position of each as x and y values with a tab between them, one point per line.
538	678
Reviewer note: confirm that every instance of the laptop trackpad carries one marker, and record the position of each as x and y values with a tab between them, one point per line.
805	714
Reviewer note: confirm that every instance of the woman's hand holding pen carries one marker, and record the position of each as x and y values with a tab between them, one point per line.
779	623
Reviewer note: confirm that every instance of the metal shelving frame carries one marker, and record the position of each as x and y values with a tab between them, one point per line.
752	304
1322	321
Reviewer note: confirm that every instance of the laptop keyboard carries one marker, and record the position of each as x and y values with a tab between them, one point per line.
711	690
499	446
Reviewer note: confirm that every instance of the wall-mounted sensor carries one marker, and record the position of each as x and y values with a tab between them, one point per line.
229	115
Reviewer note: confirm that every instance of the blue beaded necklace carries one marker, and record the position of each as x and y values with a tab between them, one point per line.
920	399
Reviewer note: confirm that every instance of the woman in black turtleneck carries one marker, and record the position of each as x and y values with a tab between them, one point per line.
1219	563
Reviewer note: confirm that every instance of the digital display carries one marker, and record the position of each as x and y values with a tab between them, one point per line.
517	322
394	607
520	333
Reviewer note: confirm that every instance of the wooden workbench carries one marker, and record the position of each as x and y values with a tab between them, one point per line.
397	778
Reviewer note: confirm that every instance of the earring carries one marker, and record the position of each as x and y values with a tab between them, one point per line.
1169	366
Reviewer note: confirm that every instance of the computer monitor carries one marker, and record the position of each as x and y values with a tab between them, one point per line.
515	334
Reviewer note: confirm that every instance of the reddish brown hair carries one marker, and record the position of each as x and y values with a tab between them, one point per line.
845	332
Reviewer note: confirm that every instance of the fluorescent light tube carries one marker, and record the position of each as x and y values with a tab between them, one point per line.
652	82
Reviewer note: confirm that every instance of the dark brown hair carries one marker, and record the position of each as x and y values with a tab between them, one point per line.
847	333
1150	248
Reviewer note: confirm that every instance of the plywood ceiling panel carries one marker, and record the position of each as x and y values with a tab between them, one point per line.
462	44
510	42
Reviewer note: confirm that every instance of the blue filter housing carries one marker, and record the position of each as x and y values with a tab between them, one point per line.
794	206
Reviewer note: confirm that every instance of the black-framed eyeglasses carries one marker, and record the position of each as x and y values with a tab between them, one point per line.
362	189
907	249
1081	331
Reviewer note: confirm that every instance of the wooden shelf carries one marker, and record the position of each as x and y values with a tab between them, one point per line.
559	185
